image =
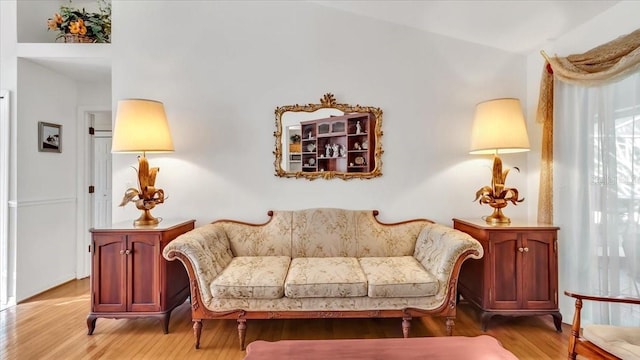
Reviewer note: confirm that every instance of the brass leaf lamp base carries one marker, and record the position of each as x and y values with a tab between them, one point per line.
498	196
146	219
497	217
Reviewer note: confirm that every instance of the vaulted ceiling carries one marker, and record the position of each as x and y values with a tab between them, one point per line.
519	26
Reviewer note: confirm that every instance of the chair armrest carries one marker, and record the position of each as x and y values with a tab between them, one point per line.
626	300
205	252
439	247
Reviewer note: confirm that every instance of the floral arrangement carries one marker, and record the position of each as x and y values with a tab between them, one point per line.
295	138
94	26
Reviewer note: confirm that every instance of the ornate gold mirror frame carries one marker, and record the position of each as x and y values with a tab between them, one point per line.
344	130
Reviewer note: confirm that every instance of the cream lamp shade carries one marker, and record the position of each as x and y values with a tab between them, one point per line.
141	126
499	128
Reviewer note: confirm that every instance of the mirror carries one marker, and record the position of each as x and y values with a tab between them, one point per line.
328	140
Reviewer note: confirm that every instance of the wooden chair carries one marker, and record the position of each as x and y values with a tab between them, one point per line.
626	346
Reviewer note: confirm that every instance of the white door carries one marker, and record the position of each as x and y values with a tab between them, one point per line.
102	179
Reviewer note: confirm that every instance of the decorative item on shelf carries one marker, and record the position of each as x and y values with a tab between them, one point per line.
295	145
498	128
79	26
312	162
365	145
335	150
359	160
342	151
311	147
327	151
358	127
141	126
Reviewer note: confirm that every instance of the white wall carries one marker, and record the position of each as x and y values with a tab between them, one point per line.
222	76
619	20
46	204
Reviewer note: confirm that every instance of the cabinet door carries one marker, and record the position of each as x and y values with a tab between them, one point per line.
108	276
143	290
539	271
505	270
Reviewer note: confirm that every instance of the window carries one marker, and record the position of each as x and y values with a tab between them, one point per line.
597	172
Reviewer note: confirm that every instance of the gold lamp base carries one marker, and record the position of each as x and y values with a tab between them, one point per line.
497	195
497	218
148	196
146	219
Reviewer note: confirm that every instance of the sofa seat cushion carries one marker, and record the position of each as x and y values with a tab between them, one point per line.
621	341
252	277
401	276
325	277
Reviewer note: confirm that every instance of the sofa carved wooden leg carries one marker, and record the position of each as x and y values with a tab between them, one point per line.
450	324
406	326
575	330
197	331
242	331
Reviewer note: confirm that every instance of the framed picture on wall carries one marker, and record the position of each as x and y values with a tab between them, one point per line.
49	137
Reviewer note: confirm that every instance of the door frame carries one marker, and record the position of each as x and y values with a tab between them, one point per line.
7	273
84	172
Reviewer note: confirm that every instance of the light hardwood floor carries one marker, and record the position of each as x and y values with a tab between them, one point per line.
52	326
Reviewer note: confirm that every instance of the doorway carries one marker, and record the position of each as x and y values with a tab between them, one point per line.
101	179
94	173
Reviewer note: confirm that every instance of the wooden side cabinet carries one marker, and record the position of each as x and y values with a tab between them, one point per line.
518	274
129	276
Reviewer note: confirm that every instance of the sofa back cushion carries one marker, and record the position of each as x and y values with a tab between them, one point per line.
377	239
323	233
270	239
326	232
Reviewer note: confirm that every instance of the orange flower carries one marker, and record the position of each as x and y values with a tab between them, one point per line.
74	28
58	18
80	22
83	30
52	24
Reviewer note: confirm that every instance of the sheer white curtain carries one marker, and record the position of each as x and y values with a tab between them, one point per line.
597	195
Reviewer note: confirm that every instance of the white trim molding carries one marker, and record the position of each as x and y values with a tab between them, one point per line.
41	202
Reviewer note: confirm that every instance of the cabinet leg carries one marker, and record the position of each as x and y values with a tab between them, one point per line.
484	320
165	322
450	324
197	331
557	321
91	324
242	331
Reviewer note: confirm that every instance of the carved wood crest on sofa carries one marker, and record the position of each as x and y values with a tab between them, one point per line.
319	263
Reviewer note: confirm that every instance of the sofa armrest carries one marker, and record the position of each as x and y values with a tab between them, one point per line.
205	252
439	247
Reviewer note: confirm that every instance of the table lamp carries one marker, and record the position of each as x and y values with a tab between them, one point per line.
141	126
498	128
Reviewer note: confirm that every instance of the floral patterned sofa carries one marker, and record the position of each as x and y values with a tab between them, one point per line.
320	263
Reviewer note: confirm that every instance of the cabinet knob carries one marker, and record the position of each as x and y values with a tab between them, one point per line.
121	252
127	252
526	249
520	249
